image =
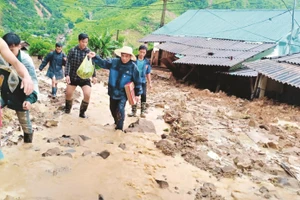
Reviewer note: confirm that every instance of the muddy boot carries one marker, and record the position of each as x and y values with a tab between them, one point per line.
83	107
68	106
143	110
133	111
54	91
28	137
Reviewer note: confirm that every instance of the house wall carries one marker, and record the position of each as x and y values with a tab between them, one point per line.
282	92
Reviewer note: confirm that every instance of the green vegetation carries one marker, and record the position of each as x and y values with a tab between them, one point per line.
49	20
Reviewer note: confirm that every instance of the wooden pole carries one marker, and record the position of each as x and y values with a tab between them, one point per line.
253	94
163	15
262	85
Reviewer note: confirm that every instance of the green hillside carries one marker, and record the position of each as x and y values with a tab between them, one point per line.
52	19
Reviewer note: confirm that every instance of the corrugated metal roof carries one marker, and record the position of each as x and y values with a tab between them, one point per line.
281	72
215	49
210	61
246	72
247	25
292	59
198	51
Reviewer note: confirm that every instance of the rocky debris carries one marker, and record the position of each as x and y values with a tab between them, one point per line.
164	136
199	159
100	197
58	170
104	154
87	152
52	152
51	123
70	141
84	138
122	146
228	171
166	147
208	191
162	184
141	126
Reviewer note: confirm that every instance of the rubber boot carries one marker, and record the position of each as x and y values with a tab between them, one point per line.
68	107
54	90
28	137
133	111
143	110
83	107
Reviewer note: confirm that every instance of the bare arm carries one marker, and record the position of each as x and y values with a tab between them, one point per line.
148	76
27	83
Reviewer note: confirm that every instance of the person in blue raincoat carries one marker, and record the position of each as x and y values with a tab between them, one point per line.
56	60
122	70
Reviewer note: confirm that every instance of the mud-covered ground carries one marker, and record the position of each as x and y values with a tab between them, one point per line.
231	139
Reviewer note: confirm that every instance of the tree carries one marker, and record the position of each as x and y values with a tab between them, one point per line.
40	47
104	44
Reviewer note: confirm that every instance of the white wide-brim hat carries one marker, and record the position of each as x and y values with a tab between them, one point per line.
127	50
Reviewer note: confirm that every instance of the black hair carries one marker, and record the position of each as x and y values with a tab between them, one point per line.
58	44
11	39
143	47
83	36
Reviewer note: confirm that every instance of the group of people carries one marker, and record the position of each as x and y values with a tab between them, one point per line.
19	93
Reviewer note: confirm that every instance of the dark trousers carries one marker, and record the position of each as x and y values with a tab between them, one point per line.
144	94
117	109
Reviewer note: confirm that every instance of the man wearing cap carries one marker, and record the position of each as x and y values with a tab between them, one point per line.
122	70
56	59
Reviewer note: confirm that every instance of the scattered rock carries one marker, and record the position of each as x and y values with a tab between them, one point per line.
166	147
228	171
122	146
51	123
68	155
104	154
164	136
252	123
264	127
162	184
263	189
141	126
70	141
100	197
84	138
52	152
86	152
208	191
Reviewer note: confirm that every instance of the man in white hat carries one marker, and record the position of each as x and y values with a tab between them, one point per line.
122	71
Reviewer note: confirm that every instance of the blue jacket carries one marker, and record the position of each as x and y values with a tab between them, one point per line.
119	75
145	70
55	66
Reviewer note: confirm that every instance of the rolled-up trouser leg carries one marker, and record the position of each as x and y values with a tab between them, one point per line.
24	120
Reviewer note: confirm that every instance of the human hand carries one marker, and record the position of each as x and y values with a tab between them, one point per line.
27	84
68	80
91	54
150	85
26	105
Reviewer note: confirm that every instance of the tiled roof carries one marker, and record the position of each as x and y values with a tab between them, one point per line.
282	72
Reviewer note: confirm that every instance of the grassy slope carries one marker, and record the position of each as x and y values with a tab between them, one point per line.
128	21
